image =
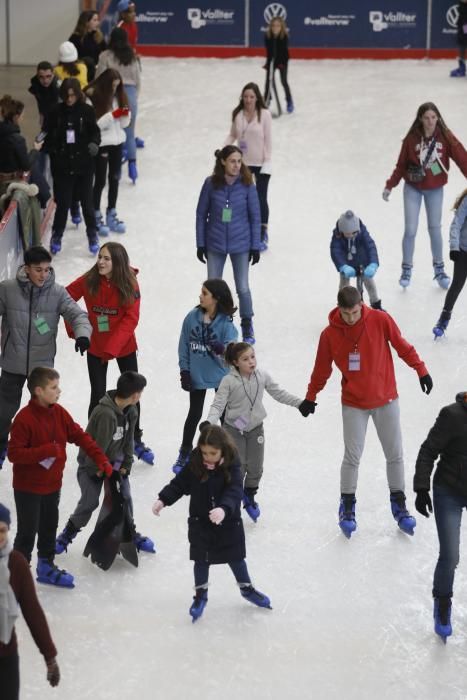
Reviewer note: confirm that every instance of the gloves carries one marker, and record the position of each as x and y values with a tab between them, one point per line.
120	112
307	407
254	256
386	194
93	149
82	344
423	502
216	347
347	271
201	254
370	270
426	383
53	672
185	380
454	255
203	425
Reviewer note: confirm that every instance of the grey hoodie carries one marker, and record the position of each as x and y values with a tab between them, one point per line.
22	306
113	430
242	399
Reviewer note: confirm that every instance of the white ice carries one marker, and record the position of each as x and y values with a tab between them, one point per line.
351	618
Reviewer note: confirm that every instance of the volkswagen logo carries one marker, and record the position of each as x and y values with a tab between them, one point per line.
275	9
452	15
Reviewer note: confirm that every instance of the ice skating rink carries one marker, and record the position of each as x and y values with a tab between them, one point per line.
352	618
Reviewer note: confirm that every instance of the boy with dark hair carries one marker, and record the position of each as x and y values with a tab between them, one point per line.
112	425
31	306
37	449
44	87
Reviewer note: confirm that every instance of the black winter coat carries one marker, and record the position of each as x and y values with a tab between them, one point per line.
277	49
47	97
447	439
14	154
80	121
87	46
213	544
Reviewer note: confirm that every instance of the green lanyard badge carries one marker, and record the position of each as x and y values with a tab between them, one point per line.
102	324
41	325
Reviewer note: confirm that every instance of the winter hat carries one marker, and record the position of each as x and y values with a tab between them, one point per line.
5	515
124	5
348	223
67	52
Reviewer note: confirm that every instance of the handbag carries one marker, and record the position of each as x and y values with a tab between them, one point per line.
416	173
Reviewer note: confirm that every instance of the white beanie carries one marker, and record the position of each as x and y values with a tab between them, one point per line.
348	223
67	52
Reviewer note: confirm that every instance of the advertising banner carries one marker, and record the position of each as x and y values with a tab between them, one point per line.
444	24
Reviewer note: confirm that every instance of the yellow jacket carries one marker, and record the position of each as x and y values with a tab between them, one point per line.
82	76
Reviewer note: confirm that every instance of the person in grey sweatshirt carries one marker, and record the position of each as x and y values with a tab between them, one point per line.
240	394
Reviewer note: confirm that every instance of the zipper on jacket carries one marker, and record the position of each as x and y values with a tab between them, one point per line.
29	330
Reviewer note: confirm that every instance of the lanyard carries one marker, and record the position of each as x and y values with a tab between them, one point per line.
356	342
252	403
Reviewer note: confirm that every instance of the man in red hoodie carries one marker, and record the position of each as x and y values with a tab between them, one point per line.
37	449
358	341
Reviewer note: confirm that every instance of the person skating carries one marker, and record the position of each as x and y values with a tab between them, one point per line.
461	39
276	41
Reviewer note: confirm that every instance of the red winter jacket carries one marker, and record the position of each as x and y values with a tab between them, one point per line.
120	339
374	384
413	152
38	433
131	29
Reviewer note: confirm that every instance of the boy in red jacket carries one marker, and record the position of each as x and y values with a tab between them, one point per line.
358	341
37	449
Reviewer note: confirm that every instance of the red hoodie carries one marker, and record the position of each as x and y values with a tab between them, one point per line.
38	433
374	384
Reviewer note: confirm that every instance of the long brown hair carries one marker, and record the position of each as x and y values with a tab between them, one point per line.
123	276
82	24
259	101
214	436
417	126
459	199
101	93
283	32
218	175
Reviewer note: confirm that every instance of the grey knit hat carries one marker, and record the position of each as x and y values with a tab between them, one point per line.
348	223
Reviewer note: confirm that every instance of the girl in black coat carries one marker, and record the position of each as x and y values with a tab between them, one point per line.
15	159
276	41
213	481
72	142
88	40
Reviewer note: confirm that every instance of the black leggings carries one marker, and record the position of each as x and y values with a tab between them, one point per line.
98	378
194	416
458	281
111	155
67	190
9	676
36	514
262	182
239	570
283	75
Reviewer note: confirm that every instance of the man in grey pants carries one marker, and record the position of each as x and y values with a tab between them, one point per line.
358	341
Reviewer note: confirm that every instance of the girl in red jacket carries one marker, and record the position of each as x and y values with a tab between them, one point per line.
424	163
111	294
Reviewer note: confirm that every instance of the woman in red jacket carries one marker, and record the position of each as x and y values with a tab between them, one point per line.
111	294
424	163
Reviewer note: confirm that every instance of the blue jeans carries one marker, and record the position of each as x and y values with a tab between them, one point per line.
448	506
433	206
130	129
239	570
240	265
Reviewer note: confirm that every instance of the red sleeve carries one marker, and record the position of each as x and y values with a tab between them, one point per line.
79	437
401	166
322	369
458	154
76	291
19	450
406	352
125	328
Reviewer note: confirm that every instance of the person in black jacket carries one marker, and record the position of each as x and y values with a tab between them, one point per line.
459	72
88	40
213	481
447	440
14	157
72	141
276	41
44	87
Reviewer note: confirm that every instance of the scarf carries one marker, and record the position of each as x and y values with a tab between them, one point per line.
8	602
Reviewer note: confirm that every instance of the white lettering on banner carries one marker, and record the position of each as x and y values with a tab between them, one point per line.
274	9
391	20
329	21
160	17
200	18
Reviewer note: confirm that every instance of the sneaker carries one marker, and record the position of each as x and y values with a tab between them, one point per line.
250	505
248	333
143	452
47	572
347	522
139	142
55	245
442	616
181	461
440	276
113	223
65	538
256	597
442	324
75	214
93	245
401	515
102	229
200	600
3	452
132	171
144	544
458	72
406	275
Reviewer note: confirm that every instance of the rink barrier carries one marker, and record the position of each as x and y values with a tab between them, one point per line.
159	51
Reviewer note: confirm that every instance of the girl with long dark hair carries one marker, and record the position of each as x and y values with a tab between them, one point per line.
88	40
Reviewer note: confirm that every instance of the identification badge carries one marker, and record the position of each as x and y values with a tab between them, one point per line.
102	324
41	324
243	146
226	215
354	361
240	423
47	462
464	28
435	169
70	136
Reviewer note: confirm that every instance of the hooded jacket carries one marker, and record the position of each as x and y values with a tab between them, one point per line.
374	384
14	156
363	245
24	344
113	429
70	130
46	97
447	440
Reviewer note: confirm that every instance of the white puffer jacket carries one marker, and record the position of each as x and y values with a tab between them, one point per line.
112	133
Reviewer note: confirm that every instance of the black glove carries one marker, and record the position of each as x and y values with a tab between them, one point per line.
82	344
203	425
307	407
93	149
254	256
53	672
426	383
454	255
185	380
423	502
201	254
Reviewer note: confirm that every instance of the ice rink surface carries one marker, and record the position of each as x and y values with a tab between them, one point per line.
351	618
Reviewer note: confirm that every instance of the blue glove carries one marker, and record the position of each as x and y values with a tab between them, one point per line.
370	270
347	271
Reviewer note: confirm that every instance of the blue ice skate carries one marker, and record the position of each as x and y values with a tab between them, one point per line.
256	597
181	461
48	572
144	452
442	617
200	600
442	324
347	522
144	544
250	505
401	515
65	538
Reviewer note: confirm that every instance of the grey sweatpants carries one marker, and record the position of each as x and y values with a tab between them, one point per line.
250	446
368	283
387	424
89	501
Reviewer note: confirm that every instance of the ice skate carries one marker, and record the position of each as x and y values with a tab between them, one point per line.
181	461
144	544
248	333
440	276
347	522
458	72
113	222
401	515
250	505
406	276
65	538
200	600
48	572
442	616
102	229
144	452
441	324
256	597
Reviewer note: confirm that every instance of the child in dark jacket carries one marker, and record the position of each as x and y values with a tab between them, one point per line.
213	481
276	41
353	252
37	449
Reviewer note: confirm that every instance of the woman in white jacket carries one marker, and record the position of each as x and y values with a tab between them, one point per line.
110	102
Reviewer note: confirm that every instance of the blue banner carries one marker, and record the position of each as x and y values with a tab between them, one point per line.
444	24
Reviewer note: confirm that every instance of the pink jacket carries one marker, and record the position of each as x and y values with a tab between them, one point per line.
253	138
